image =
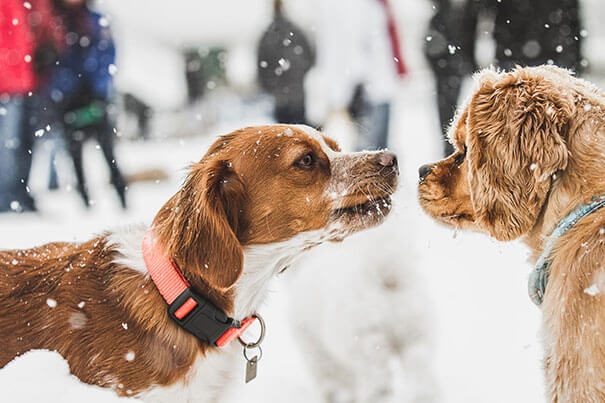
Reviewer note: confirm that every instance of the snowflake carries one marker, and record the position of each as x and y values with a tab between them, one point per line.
592	290
129	356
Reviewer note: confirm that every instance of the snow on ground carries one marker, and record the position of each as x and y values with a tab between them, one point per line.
51	383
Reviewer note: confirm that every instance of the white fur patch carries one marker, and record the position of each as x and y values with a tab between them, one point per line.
263	262
127	242
317	136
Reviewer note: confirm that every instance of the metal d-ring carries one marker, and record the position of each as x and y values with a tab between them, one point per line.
260	338
260	353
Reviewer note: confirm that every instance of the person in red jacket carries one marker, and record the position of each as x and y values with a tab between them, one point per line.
28	30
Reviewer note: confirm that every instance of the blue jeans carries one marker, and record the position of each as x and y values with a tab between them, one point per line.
15	156
374	122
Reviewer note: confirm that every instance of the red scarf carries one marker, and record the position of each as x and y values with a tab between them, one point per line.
394	37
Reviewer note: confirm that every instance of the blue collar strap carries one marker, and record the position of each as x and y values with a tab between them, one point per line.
538	278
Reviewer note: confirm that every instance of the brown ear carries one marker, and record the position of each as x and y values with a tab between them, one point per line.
515	143
199	225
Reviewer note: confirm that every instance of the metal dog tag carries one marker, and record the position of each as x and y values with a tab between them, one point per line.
251	368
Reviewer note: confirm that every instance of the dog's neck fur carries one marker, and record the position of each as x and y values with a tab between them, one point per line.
261	263
583	178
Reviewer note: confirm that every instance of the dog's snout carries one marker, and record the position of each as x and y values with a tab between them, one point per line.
424	171
387	159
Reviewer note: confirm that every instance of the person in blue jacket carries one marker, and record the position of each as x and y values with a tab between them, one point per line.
82	87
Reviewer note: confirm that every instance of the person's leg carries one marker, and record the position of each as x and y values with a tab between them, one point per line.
48	119
284	113
75	151
143	117
105	139
53	179
381	118
15	157
374	126
11	115
448	89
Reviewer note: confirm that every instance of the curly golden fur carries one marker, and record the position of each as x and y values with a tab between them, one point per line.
530	148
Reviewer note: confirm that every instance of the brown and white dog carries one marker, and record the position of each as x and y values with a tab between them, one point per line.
530	148
259	198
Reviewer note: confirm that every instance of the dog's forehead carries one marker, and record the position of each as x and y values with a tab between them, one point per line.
318	137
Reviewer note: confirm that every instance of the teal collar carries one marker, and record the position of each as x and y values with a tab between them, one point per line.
538	278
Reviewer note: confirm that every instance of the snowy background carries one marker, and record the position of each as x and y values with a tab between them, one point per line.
468	293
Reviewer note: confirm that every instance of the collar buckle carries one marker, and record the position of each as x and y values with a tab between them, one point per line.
200	317
190	310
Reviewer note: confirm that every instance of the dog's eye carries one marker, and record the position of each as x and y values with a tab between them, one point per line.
306	162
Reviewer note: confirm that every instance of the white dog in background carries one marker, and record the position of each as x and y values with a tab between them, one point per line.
361	317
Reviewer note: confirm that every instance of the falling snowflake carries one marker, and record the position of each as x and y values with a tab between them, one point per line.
129	356
284	64
592	290
51	302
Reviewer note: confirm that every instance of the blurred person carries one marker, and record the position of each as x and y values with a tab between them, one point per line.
284	58
82	88
141	111
449	48
28	33
359	65
526	33
530	33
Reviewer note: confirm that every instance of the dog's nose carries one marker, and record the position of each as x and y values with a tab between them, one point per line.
424	171
387	159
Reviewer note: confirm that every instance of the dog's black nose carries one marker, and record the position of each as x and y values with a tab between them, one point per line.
387	159
424	171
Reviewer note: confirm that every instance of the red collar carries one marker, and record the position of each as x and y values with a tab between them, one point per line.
187	308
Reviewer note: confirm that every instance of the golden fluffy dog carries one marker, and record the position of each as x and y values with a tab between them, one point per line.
530	148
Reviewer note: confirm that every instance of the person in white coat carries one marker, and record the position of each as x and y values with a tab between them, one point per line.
358	66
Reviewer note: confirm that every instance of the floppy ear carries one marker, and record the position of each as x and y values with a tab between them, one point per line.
199	225
515	141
